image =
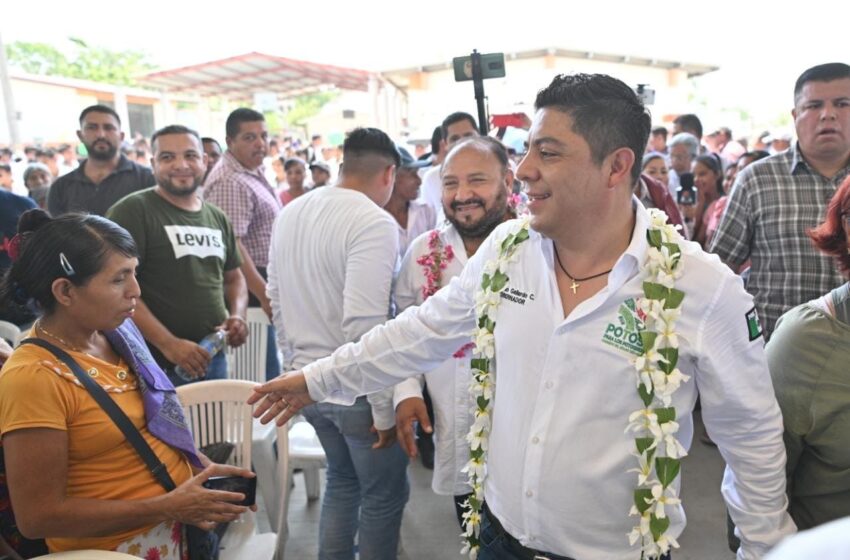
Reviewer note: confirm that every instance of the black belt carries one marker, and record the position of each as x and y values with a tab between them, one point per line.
516	547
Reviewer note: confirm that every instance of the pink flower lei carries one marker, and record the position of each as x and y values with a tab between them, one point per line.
433	264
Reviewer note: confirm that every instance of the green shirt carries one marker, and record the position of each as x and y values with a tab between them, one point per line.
809	359
182	259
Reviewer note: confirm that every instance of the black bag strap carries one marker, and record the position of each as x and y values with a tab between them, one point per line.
156	467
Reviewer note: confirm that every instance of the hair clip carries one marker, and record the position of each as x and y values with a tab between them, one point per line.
66	266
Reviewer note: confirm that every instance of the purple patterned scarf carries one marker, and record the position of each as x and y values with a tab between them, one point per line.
163	411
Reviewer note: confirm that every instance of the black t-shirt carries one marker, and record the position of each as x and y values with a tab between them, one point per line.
74	192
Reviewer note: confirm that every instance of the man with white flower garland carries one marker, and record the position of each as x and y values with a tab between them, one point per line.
603	323
477	181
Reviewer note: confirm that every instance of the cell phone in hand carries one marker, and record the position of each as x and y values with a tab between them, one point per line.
247	486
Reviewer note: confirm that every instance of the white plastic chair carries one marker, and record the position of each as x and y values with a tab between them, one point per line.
216	411
87	555
10	332
249	360
306	453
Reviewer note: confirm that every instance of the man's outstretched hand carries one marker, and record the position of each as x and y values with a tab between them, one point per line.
282	398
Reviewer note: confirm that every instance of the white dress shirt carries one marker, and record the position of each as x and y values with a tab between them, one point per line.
830	541
448	383
420	218
331	262
558	454
431	191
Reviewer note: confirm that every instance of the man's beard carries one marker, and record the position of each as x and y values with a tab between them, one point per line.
101	155
493	216
169	187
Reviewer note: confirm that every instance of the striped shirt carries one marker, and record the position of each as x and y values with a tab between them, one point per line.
772	204
249	202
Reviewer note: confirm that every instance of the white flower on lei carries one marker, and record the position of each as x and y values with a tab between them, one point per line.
644	469
663	497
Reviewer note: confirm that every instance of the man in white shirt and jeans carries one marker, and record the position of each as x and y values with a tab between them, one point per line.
331	262
566	343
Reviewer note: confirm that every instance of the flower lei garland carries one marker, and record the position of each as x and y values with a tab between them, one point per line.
493	281
657	379
657	450
434	263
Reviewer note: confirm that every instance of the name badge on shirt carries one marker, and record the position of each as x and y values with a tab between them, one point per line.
516	296
624	333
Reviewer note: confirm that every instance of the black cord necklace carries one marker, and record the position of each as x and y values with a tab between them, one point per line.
575	281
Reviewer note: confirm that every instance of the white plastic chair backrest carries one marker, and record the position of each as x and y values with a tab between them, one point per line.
304	444
10	332
216	412
87	555
249	360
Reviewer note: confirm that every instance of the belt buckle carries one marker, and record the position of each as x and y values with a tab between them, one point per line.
541	557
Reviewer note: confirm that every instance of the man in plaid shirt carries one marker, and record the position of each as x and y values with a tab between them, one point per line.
775	200
238	186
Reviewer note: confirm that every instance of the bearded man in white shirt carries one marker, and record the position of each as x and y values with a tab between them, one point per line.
603	323
477	181
331	262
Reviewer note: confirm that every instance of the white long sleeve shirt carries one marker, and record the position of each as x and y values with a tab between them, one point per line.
448	383
331	261
558	459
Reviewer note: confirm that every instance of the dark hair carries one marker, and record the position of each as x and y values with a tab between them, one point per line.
829	237
172	129
28	149
456	117
99	109
712	161
605	112
292	162
755	155
484	144
821	73
436	136
81	241
660	131
239	116
46	152
6	168
363	143
207	139
690	123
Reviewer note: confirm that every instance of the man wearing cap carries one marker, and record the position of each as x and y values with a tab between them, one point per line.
321	173
412	216
331	263
776	200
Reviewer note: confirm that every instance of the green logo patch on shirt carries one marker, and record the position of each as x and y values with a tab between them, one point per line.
753	324
624	333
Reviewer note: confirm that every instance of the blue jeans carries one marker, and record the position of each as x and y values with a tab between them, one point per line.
366	488
272	363
216	370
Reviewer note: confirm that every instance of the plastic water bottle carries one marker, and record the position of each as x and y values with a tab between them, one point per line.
212	343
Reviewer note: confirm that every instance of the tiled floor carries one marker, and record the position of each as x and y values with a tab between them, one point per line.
430	530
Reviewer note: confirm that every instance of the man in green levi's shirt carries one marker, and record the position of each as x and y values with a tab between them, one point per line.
188	260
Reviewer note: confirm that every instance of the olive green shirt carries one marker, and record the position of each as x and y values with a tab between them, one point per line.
809	360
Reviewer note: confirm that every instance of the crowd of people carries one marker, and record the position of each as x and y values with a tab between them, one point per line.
538	327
